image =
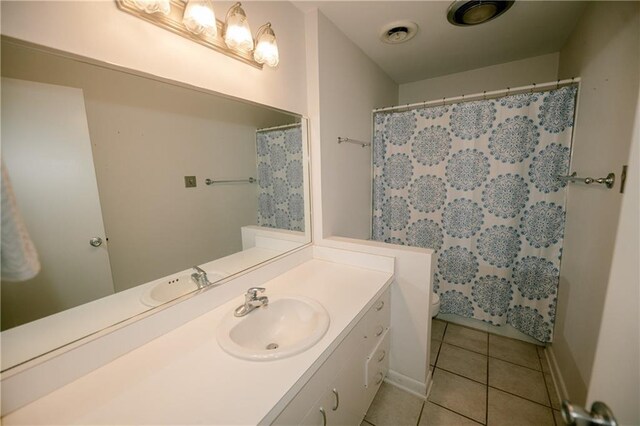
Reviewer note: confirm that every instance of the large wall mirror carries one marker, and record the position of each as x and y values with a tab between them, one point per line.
121	184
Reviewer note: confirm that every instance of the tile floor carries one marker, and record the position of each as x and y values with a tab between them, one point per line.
478	378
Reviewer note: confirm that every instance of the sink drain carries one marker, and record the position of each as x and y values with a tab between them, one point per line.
272	346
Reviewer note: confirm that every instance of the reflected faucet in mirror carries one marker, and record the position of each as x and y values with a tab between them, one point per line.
200	277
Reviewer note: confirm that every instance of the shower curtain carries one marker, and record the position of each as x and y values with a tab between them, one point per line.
280	178
477	182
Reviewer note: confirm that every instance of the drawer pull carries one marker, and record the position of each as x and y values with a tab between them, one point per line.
337	395
381	376
324	416
382	355
379	330
380	305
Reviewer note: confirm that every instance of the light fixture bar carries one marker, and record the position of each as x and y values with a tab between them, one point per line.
173	23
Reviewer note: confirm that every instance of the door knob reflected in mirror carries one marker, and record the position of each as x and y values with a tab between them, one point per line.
95	241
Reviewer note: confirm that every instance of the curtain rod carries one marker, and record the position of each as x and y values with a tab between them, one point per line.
285	126
484	95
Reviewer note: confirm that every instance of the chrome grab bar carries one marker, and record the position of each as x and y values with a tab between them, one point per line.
211	181
573	177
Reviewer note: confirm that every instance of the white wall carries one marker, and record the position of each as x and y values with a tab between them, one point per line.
98	30
603	51
350	85
146	136
616	368
539	69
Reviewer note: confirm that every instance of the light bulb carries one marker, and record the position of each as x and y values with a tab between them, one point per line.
153	6
237	34
266	47
199	17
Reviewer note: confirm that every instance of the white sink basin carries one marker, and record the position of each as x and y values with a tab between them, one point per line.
168	289
286	326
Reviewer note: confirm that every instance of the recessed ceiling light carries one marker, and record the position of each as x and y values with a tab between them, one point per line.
474	12
398	32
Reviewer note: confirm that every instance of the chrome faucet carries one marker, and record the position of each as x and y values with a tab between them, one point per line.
251	301
200	277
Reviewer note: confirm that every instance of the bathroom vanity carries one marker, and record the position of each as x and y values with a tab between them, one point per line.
185	377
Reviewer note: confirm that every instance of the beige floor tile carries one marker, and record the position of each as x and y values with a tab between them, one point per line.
558	418
394	407
433	352
434	415
515	351
463	362
509	410
518	380
437	329
365	423
553	395
467	338
459	394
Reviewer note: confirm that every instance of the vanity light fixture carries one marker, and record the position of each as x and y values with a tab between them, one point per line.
153	6
196	21
199	17
237	33
266	46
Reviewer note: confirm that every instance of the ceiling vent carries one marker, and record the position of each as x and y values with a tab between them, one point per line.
474	12
398	32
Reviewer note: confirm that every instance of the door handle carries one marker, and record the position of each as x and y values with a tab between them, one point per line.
337	395
600	414
95	241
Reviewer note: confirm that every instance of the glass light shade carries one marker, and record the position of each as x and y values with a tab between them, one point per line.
237	34
199	17
154	6
266	51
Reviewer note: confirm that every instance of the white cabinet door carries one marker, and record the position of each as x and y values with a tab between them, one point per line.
47	151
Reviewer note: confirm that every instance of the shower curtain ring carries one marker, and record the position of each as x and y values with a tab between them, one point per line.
533	88
557	84
484	95
508	90
443	101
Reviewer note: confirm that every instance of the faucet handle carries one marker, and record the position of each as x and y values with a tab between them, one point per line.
253	291
199	270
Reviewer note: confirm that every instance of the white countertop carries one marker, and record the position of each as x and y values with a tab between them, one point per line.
184	377
32	339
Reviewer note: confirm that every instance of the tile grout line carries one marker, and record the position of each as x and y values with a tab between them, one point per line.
421	411
500	359
544	378
493	387
455	412
486	413
521	397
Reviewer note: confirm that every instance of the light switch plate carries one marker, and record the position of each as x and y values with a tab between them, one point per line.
190	182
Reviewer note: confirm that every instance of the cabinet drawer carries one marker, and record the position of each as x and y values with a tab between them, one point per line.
379	319
377	362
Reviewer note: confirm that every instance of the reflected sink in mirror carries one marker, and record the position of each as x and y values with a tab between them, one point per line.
171	288
286	326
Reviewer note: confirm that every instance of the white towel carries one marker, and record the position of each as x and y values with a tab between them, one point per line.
18	254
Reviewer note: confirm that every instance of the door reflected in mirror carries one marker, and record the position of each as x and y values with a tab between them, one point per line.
122	183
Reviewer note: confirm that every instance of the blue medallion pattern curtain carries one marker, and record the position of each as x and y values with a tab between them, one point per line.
280	178
477	182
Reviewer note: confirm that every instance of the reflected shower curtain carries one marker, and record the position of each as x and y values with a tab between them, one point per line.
280	178
477	182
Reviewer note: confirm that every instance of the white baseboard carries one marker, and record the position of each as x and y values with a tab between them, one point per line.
408	384
556	375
